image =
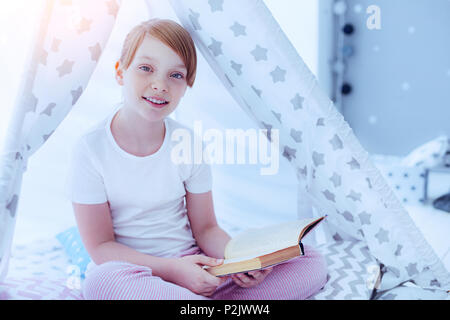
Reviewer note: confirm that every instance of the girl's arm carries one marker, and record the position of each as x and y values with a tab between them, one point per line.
96	229
209	236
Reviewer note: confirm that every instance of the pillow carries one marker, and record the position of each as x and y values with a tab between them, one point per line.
74	248
428	155
352	271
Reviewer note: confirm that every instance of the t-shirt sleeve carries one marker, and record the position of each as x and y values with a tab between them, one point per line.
200	179
84	183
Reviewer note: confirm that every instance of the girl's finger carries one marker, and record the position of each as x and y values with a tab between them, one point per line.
268	270
246	280
258	275
222	280
237	281
208	293
208	261
208	290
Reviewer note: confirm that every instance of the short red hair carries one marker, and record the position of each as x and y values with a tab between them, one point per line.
171	34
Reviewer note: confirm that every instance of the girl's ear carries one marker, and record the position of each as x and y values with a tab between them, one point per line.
119	73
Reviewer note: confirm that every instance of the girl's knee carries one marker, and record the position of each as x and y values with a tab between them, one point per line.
311	269
317	262
108	280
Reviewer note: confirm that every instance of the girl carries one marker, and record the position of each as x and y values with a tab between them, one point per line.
147	222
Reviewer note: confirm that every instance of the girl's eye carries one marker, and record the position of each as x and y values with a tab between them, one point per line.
145	68
178	75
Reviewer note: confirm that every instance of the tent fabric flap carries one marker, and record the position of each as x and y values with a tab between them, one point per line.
64	54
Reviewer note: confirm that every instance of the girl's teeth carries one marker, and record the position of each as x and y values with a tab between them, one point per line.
156	101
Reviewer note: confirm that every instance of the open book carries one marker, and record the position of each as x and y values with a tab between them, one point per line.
264	247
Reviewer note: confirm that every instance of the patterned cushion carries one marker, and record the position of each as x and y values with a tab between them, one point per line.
406	181
351	271
429	154
74	248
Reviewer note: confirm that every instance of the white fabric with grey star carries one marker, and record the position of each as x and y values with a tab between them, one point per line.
65	50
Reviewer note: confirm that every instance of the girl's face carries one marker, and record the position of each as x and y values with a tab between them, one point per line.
155	81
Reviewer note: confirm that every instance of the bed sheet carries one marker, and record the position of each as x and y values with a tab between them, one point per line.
40	271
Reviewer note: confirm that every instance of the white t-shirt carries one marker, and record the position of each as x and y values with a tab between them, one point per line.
146	195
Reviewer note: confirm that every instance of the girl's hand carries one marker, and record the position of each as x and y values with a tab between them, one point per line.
187	272
251	278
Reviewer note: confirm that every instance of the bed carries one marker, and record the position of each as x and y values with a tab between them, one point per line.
43	270
51	267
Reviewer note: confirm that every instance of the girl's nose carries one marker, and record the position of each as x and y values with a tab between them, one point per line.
159	85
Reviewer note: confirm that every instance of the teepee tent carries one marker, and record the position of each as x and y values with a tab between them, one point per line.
256	63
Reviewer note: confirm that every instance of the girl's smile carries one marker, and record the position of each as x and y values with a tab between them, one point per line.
156	102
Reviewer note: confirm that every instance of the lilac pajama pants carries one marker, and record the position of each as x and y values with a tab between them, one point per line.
298	278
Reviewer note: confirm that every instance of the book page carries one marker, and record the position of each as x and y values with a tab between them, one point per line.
259	241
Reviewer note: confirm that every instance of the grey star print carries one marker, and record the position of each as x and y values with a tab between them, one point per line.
382	235
289	153
278	75
297	102
216	5
296	135
268	127
65	68
84	26
12	206
55	44
76	94
46	136
33	101
48	110
337	237
112	7
238	29
43	57
303	171
318	158
336	179
348	216
96	51
215	47
398	251
412	269
329	195
193	17
336	143
354	196
368	182
237	67
354	164
259	53
320	122
364	217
